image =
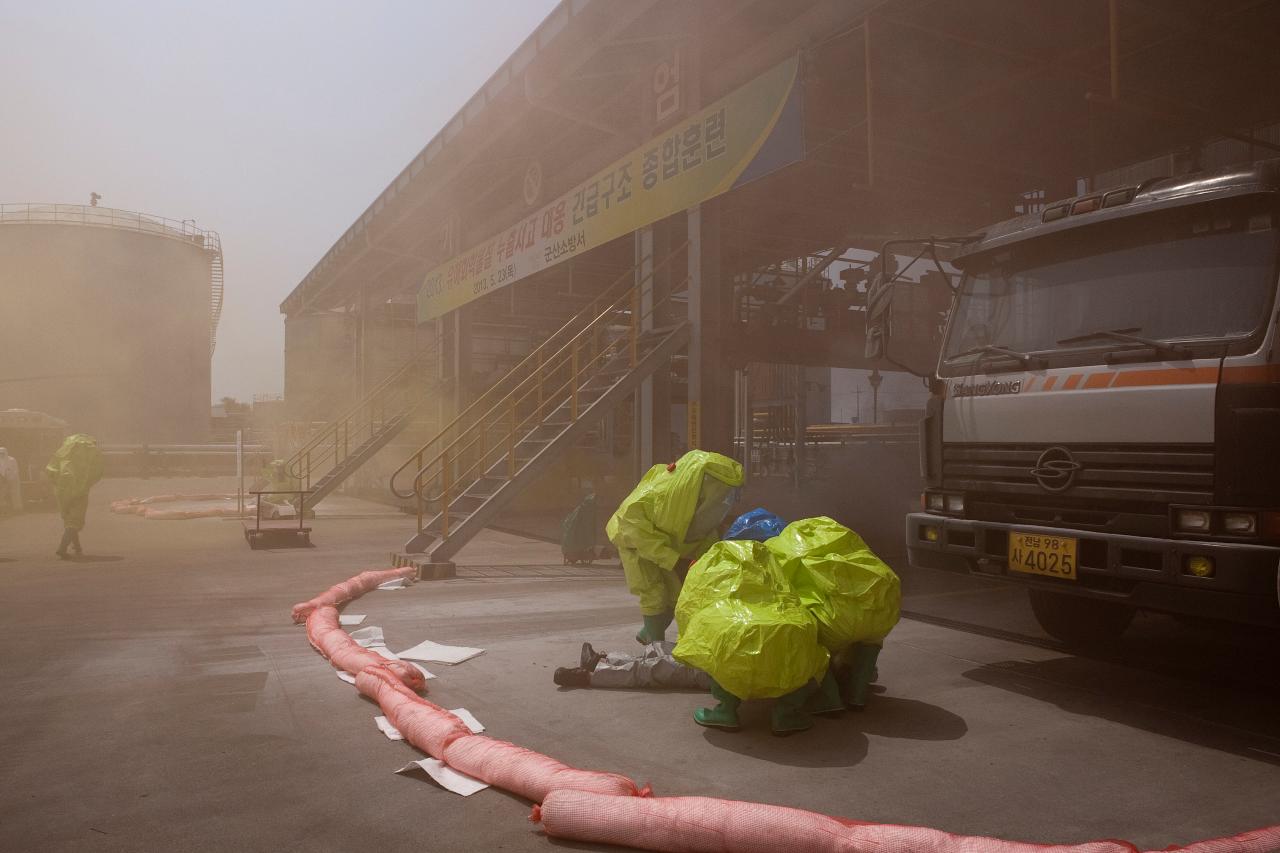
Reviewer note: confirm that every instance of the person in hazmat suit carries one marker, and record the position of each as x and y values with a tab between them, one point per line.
578	532
673	515
74	469
852	594
10	482
741	623
276	480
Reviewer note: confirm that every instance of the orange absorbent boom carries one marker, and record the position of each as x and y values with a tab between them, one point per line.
424	724
340	593
328	638
707	825
531	774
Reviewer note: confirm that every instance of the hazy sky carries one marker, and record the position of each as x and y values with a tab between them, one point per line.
274	123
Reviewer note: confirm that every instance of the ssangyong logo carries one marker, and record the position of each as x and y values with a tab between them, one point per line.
986	389
1056	469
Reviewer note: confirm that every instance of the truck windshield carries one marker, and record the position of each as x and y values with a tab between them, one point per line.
1185	277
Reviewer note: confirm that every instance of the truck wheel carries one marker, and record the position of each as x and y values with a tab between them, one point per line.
1079	621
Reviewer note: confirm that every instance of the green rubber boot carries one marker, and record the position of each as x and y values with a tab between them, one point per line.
722	716
862	671
789	715
655	628
826	699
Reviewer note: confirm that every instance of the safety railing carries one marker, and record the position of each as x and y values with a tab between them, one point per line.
394	397
483	405
608	332
799	293
109	217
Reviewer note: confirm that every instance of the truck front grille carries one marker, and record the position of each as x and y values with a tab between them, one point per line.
1107	476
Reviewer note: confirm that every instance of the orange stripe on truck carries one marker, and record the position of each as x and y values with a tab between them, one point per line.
1167	376
1099	380
1072	381
1252	374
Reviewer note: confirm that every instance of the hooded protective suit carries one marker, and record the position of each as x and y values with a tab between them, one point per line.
673	512
852	593
74	468
741	624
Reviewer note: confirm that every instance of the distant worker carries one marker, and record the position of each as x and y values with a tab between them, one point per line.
668	520
578	532
74	469
10	482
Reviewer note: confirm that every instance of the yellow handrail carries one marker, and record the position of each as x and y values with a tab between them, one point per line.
342	425
533	386
535	357
604	314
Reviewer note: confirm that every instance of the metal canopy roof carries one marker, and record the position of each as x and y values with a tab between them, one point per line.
971	104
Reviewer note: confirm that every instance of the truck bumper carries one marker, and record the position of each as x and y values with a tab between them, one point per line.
1141	571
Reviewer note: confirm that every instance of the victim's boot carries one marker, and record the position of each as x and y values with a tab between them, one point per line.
589	657
655	628
722	716
826	699
862	671
789	715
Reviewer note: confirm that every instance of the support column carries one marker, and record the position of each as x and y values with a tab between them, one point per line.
362	344
643	407
749	424
801	424
710	395
461	358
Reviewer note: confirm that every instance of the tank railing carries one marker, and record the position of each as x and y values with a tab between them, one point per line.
393	397
614	333
484	406
110	217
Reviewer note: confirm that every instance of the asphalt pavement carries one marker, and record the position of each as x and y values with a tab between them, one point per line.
158	697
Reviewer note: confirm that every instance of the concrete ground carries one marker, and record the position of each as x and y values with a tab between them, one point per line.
159	698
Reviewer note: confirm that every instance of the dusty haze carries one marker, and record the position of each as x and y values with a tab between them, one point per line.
273	123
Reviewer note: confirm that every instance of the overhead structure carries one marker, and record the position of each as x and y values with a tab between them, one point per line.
735	162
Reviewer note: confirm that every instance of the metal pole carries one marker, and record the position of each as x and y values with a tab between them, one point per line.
1114	23
240	471
866	49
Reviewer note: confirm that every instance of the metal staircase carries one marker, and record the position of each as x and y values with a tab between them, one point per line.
466	475
342	446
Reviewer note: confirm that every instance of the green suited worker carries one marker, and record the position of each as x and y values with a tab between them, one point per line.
74	468
673	514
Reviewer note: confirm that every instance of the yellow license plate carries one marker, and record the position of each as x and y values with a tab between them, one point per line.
1037	554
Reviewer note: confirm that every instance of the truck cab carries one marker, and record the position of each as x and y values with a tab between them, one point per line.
1104	426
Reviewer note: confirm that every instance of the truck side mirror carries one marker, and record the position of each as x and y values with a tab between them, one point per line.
905	319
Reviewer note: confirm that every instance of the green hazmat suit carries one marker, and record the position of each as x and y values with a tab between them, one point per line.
673	513
74	468
854	596
742	625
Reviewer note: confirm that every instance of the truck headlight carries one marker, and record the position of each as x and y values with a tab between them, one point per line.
955	503
1239	522
1196	520
1200	567
935	502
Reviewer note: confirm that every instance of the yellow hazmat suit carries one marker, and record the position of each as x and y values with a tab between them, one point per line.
742	625
673	513
74	468
854	596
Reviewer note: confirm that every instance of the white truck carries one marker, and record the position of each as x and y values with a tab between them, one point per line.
1104	424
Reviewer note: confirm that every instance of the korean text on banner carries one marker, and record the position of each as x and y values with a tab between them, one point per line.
752	131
